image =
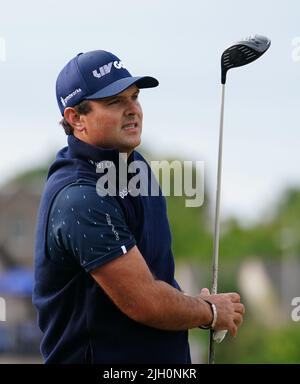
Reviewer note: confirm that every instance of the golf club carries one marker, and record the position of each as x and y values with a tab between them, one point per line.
238	55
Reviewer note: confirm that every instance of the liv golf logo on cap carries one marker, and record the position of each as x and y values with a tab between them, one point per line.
106	69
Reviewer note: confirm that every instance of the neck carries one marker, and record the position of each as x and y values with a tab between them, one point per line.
127	152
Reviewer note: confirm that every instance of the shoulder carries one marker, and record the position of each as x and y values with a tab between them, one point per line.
89	227
83	195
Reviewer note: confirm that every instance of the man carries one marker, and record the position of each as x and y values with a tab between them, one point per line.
104	271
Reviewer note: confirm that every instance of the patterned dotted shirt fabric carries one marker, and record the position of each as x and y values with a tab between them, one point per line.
86	228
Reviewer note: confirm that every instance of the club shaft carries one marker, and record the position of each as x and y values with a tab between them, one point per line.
215	260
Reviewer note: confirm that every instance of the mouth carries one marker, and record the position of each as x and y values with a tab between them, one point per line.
130	127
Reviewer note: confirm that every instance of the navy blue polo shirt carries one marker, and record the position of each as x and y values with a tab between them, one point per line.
78	231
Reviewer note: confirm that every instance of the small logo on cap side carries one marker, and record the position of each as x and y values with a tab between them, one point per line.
65	100
106	69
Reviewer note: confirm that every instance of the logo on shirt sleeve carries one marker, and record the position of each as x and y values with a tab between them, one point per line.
108	219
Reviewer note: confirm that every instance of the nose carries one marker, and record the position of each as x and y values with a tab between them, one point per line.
132	107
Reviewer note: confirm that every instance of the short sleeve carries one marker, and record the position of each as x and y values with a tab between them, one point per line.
88	227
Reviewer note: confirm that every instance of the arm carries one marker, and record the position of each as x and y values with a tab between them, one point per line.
129	283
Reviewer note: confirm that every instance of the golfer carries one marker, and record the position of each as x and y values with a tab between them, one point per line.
104	271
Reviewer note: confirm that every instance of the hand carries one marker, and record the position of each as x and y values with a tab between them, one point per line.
229	308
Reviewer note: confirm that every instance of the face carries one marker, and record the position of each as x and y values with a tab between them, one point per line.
115	122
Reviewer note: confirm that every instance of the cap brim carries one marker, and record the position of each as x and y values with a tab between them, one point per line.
122	84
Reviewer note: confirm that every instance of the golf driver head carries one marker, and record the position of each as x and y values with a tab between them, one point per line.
243	52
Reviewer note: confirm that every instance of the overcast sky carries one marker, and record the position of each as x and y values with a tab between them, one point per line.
180	43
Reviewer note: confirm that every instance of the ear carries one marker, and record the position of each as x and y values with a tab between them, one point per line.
73	118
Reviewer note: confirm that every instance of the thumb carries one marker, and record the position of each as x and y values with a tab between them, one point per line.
204	292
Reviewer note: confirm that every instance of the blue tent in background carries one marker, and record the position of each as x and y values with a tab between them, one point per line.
16	282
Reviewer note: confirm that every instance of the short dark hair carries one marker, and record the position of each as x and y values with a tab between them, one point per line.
83	108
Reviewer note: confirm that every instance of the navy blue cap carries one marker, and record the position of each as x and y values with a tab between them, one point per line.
95	75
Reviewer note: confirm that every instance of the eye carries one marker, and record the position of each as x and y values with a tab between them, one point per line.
114	102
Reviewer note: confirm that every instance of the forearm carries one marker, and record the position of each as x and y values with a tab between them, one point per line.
169	309
129	283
